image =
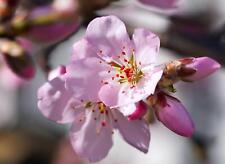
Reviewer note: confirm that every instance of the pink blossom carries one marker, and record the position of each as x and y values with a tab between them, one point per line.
163	4
92	121
122	71
203	66
173	115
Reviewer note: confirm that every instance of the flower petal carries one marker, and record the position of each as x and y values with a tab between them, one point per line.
88	142
109	35
60	70
82	49
174	116
134	132
84	78
204	66
56	103
146	46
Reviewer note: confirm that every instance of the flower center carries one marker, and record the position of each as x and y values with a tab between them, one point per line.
127	70
101	114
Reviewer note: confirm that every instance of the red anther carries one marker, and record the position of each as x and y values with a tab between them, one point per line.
122	68
125	60
100	61
103	123
93	110
123	53
95	118
115	120
128	72
132	87
117	75
100	51
113	78
109	71
106	82
122	77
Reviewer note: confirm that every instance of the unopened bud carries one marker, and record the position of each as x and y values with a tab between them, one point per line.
140	111
17	59
200	68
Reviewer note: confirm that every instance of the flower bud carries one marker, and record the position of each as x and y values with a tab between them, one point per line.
48	25
18	60
173	115
140	111
163	4
202	67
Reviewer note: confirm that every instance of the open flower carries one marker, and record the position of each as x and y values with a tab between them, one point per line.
123	70
92	121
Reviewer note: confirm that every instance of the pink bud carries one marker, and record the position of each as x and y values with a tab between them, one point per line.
54	31
60	70
173	115
163	4
204	66
140	111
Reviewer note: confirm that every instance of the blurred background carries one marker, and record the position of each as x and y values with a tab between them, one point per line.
37	35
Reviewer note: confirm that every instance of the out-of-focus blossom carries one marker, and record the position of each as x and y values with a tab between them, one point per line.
92	121
63	21
203	66
122	70
163	4
8	78
173	115
17	58
7	8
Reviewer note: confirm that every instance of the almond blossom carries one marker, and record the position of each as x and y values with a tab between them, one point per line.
93	123
125	70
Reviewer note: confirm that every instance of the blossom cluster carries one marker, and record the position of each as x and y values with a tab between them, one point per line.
110	84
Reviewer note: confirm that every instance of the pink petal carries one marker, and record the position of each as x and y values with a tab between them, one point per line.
88	142
164	4
146	46
84	78
82	49
127	110
134	132
204	66
115	95
56	103
174	116
109	35
60	70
